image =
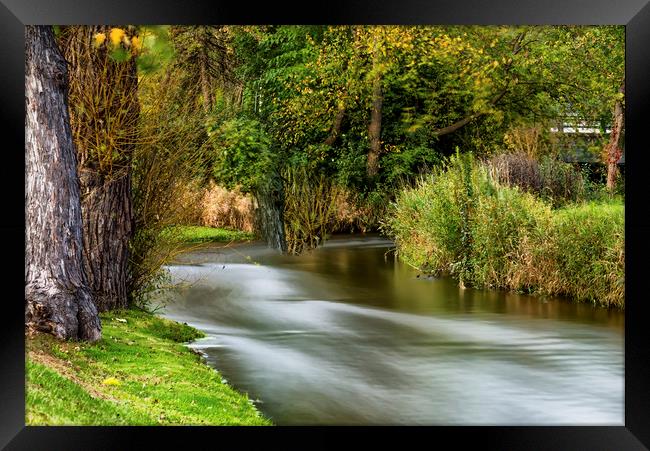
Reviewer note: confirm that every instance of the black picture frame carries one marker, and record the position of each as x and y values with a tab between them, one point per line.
635	14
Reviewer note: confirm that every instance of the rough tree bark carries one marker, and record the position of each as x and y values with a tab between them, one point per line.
613	149
336	127
206	89
56	291
269	214
108	227
374	128
103	114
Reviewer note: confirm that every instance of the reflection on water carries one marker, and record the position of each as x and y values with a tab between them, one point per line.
349	335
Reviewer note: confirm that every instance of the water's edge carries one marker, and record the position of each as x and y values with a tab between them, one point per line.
346	336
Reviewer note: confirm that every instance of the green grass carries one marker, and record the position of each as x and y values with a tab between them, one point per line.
200	234
138	374
460	222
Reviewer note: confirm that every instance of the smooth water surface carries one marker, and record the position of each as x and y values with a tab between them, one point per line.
349	335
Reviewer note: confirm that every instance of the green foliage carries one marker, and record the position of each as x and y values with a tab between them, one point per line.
158	51
349	164
138	374
275	97
297	79
585	244
242	155
460	221
402	163
309	208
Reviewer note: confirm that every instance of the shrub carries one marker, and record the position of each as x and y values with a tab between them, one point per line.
460	221
550	179
242	154
561	183
356	211
581	255
309	208
431	222
227	208
501	223
168	167
517	169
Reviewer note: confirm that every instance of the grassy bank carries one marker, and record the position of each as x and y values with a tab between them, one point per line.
138	374
201	234
461	222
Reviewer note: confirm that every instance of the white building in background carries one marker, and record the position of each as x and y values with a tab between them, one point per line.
579	153
582	127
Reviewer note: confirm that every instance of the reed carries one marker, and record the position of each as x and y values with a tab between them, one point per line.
225	208
461	221
309	208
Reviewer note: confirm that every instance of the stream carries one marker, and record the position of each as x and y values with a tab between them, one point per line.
347	334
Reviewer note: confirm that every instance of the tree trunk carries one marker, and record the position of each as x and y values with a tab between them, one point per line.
336	127
108	227
269	215
103	112
205	81
56	292
374	129
614	150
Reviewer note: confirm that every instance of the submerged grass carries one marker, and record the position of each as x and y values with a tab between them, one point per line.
140	373
462	222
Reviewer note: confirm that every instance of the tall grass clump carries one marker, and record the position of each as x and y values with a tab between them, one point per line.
309	208
431	222
548	178
225	208
463	222
581	255
502	222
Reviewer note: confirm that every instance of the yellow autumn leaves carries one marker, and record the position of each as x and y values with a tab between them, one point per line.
118	37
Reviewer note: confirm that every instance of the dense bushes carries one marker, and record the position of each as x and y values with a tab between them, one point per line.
463	222
309	208
229	209
582	254
550	179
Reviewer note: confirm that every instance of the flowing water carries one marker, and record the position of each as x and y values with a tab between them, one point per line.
349	335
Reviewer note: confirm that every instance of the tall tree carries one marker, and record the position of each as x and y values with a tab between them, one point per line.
613	149
56	291
205	54
374	127
103	113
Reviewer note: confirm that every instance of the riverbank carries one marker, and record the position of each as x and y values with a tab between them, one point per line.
202	234
139	373
487	235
